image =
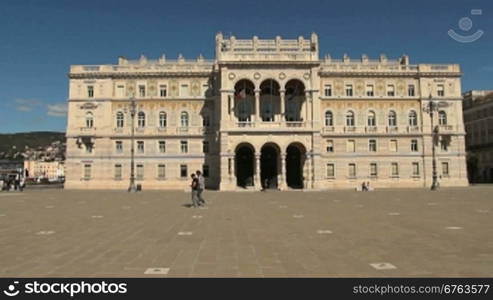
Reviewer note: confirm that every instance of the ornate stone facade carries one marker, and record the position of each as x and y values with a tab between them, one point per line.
264	113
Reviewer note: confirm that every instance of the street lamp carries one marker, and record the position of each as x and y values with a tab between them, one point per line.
131	187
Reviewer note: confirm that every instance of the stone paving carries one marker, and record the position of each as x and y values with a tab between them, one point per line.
387	233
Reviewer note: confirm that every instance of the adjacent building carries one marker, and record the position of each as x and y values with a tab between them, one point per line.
51	170
265	113
478	121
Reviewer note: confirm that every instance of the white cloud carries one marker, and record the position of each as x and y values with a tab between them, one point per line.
57	110
26	105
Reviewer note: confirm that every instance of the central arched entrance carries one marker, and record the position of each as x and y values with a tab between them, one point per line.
269	165
244	165
295	159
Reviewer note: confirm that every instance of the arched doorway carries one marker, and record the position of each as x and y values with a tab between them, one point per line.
244	165
269	165
294	100
269	100
244	100
295	160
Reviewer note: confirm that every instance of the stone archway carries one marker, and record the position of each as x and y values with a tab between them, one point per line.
269	166
244	165
295	160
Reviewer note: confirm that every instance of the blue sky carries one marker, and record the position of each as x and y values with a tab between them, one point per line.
41	39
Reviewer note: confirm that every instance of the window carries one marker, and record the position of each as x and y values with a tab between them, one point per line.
205	146
140	146
162	146
163	119
349	90
393	146
184	119
330	170
414	145
205	171
184	146
352	170
330	146
141	119
372	145
142	90
118	146
442	118
413	118
329	120
163	91
415	169
370	90
140	172
120	91
440	90
445	169
351	146
161	171
206	120
184	90
183	171
328	90
372	121
87	171
395	169
90	91
411	92
390	90
119	119
89	148
350	119
118	172
444	143
89	120
392	119
373	170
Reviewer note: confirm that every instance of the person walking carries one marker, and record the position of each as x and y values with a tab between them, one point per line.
201	188
194	187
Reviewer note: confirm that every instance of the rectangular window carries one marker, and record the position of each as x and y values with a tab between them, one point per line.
162	146
142	90
395	169
183	171
411	92
87	171
184	90
440	90
330	170
390	90
369	91
372	145
140	172
414	145
118	172
184	146
444	145
119	147
205	171
330	146
349	90
163	91
351	146
352	170
140	146
445	170
393	146
205	147
120	91
415	169
90	91
161	171
373	170
328	90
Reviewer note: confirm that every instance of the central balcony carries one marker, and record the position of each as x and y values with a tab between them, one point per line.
275	125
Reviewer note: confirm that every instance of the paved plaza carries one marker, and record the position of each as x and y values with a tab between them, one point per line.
388	233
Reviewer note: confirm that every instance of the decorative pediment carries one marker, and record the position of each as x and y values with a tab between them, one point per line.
88	105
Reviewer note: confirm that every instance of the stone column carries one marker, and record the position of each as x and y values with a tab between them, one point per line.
282	177
307	107
257	106
283	105
232	176
308	178
257	172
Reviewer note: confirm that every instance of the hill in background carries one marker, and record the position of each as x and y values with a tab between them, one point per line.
26	144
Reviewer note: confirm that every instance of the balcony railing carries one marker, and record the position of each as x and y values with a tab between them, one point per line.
413	129
392	129
445	128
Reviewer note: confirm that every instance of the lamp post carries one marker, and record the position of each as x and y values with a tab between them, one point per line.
131	187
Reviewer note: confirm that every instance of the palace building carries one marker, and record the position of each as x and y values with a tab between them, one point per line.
265	113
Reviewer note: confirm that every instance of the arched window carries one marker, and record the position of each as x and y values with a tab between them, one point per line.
392	119
89	120
413	118
184	119
329	118
372	120
119	119
442	118
141	119
350	119
163	119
